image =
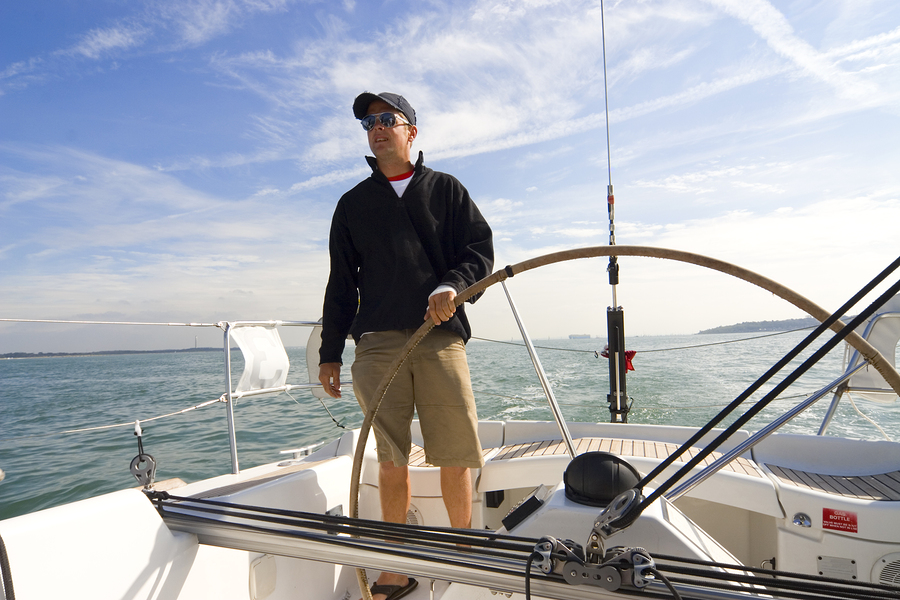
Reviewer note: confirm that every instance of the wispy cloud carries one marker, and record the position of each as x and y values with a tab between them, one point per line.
707	181
99	42
158	27
876	44
199	21
20	75
774	28
104	231
493	79
488	81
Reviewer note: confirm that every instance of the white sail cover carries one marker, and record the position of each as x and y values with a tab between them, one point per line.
266	363
883	332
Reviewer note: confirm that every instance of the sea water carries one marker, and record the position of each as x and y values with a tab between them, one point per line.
46	402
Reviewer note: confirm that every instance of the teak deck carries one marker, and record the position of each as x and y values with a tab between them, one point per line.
883	486
641	448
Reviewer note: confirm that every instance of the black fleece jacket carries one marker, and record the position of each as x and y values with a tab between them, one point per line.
388	253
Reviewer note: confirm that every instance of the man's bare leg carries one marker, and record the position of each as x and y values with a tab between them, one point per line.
456	488
394	490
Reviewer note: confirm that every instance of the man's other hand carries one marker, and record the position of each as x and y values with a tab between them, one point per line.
330	378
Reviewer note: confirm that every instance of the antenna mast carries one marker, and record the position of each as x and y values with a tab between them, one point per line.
615	316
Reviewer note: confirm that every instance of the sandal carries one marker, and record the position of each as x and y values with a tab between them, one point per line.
395	592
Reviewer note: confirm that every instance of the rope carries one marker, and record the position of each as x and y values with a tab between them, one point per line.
6	579
868	418
323	406
528	564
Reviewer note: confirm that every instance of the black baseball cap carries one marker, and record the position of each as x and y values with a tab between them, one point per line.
362	102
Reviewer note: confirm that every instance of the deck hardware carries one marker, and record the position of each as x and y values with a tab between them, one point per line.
143	466
618	515
555	556
802	520
626	568
621	566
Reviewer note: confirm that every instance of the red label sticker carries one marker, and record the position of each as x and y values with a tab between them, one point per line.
839	520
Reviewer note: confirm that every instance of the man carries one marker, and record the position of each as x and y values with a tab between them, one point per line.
404	242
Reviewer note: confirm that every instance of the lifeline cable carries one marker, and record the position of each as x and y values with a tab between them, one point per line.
116	425
596	353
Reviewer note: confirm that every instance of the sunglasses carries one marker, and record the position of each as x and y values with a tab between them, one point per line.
388	119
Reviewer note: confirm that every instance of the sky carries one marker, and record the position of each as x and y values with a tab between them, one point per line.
179	161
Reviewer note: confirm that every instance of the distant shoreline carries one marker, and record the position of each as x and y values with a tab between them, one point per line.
11	355
760	326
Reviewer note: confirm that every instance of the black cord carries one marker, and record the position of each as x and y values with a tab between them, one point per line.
528	576
8	591
667	583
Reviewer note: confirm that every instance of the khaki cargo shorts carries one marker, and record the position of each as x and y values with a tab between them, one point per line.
433	382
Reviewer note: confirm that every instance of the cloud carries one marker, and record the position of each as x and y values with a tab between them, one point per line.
199	21
696	182
21	74
487	84
867	47
485	75
171	25
99	42
96	202
501	205
696	93
103	232
775	29
645	59
330	178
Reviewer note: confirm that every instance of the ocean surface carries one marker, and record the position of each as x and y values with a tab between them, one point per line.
679	380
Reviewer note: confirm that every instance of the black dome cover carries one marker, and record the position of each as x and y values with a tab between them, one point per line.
596	478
